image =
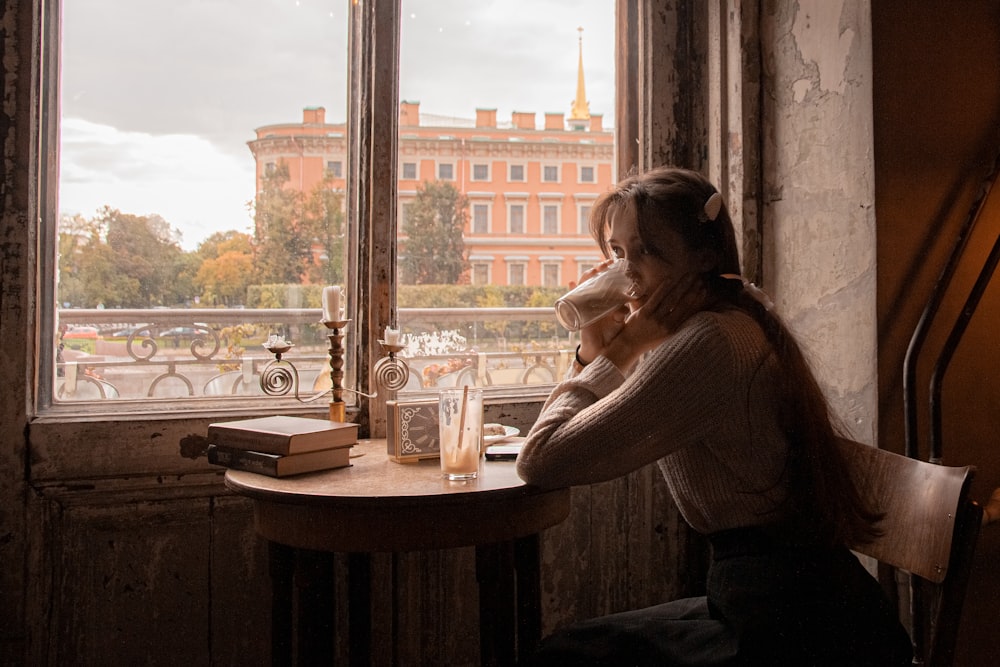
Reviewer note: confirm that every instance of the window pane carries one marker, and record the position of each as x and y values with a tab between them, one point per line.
200	188
550	219
512	126
480	218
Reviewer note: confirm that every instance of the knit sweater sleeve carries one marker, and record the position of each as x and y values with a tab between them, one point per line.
600	425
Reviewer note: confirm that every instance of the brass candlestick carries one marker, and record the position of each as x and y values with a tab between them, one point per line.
391	372
338	409
279	377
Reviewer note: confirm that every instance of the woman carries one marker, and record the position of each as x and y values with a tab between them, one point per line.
699	375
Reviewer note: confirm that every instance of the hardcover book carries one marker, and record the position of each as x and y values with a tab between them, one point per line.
282	435
279	466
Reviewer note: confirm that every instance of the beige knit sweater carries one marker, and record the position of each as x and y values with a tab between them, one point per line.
702	405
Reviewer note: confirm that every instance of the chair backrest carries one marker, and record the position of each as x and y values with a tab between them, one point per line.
929	530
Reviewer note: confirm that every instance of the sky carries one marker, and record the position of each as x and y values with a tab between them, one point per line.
159	99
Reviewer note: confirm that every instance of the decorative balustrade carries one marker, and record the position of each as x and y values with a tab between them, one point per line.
198	353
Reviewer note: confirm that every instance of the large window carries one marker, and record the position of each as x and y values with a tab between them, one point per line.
204	197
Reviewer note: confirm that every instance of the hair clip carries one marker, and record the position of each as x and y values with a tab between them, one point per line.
713	206
757	293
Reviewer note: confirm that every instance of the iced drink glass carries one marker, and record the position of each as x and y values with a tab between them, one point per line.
460	420
594	298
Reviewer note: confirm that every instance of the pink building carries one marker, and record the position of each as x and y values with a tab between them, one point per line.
530	188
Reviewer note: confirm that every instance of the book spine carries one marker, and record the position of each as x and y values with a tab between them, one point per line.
257	442
243	460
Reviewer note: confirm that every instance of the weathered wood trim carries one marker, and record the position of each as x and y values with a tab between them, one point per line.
372	127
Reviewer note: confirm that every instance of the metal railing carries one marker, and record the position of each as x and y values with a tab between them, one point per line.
110	354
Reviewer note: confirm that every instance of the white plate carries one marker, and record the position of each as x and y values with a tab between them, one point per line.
510	432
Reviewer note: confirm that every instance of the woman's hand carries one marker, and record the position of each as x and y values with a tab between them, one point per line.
595	336
651	322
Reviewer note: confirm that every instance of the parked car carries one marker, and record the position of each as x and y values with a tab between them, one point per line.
81	338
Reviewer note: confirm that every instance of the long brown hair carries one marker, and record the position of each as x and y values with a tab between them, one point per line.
823	498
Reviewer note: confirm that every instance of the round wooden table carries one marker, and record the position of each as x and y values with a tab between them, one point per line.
378	505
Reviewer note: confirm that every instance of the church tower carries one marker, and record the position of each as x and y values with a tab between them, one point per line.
579	116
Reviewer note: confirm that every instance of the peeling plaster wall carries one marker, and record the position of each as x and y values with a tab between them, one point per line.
819	236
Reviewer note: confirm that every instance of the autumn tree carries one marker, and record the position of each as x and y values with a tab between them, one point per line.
76	234
434	249
225	268
121	260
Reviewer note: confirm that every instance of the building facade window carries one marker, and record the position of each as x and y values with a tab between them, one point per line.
550	173
409	171
584	218
335	168
516	272
481	273
515	219
516	173
550	274
586	174
446	171
550	218
480	218
480	172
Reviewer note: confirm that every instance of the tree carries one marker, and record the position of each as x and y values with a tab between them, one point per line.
434	249
225	268
147	249
120	260
76	233
283	244
323	218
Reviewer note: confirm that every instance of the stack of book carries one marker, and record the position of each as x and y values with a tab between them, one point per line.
280	446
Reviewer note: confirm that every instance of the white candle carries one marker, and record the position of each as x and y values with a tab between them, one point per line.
391	336
331	304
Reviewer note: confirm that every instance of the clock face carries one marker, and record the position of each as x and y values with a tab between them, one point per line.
418	429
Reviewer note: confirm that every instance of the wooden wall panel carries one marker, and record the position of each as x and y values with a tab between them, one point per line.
239	586
130	584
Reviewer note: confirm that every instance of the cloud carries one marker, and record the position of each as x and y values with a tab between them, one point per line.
183	178
159	99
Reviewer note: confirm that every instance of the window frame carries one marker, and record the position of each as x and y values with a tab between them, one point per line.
556	208
474	221
584	207
156	437
519	263
551	264
521	206
441	165
477	166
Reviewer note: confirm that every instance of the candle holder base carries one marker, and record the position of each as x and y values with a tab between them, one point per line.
338	411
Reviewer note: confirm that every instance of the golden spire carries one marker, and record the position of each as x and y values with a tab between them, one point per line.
581	108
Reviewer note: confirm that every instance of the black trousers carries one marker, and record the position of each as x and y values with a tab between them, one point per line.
768	603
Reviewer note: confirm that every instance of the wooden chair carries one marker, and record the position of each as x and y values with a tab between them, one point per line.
930	531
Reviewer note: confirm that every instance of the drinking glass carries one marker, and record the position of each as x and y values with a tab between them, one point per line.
460	420
594	298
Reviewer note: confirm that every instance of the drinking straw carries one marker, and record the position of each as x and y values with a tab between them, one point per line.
461	418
